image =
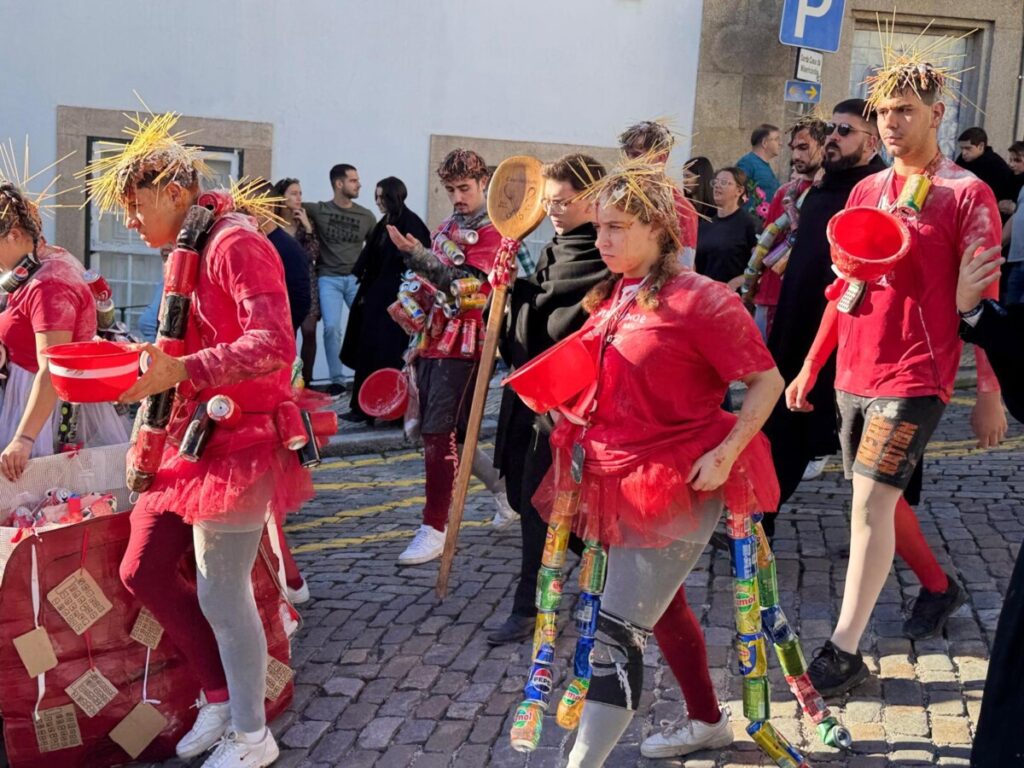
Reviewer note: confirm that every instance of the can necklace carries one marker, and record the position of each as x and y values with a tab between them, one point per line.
621	306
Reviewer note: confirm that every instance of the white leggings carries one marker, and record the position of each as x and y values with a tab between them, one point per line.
224	561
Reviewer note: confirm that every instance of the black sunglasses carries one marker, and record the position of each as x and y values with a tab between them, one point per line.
843	129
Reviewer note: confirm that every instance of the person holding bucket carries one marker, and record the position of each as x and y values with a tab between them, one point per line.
898	246
222	365
47	303
652	464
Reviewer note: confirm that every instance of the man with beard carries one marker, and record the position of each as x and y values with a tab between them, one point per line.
851	146
898	360
544	308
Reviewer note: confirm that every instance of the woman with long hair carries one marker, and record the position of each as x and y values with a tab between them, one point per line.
51	305
373	340
653	466
296	222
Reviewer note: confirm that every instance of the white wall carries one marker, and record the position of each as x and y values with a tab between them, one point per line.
358	81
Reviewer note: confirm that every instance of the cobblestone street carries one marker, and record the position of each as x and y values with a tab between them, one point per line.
388	675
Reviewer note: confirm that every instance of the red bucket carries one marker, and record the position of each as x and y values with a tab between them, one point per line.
385	394
554	377
867	242
92	371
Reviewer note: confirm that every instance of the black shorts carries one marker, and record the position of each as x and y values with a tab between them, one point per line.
884	437
446	394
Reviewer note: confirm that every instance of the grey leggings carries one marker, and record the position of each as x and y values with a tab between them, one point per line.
640	585
224	561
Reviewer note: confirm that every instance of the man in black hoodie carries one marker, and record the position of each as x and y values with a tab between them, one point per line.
544	308
981	160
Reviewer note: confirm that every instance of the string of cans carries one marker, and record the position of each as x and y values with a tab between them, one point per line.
430	314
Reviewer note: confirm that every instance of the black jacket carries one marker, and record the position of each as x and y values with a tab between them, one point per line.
296	274
994	171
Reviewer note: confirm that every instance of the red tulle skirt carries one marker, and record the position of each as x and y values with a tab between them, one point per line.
649	503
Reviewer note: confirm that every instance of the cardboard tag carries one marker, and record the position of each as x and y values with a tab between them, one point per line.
147	630
57	728
79	600
278	675
36	651
138	729
92	692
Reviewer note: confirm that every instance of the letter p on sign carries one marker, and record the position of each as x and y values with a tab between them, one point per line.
806	9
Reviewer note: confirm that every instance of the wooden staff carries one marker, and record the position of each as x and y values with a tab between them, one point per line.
515	209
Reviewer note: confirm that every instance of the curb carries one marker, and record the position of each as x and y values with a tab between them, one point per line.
382	440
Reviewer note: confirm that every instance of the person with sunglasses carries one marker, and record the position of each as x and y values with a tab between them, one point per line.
899	357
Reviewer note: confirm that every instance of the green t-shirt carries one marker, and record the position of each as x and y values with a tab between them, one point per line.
342	232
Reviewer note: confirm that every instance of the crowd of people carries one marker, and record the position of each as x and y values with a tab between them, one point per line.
664	286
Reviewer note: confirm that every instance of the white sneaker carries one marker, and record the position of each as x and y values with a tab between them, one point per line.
210	725
681	738
235	752
297	596
426	545
815	467
505	515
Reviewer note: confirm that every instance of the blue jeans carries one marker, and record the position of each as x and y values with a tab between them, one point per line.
337	292
1015	284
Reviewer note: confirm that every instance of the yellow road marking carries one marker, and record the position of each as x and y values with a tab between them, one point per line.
353	486
376	460
352	541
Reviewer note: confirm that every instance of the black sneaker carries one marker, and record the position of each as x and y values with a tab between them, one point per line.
357	418
335	390
514	630
931	610
834	671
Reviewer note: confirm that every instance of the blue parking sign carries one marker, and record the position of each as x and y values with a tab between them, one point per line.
816	24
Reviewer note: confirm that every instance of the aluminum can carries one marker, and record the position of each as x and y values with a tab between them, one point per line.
526	727
174	315
466	236
325	423
747	606
756	701
224	411
413	309
776	626
197	435
581	657
13	279
738	526
791	658
775	745
436	321
570	708
309	454
765	556
156	409
549	588
291	430
172	347
556	543
768	585
149	448
541	682
451	335
566	504
139	481
593	568
545	630
465	286
468	348
451	250
752	655
400	316
97	284
181	271
915	190
67	429
587	609
106	314
199	217
744	552
810	700
470	302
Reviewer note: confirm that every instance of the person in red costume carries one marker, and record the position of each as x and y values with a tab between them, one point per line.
654	140
52	305
898	359
656	458
445	368
239	343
